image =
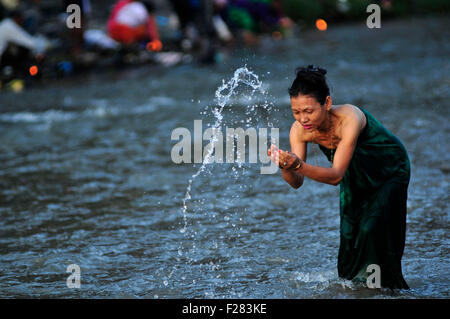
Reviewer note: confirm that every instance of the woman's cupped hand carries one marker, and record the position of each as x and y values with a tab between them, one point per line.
284	159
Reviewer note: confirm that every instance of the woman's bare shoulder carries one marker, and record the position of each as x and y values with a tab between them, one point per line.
350	113
346	109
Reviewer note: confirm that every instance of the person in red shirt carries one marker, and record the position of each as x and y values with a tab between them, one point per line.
133	21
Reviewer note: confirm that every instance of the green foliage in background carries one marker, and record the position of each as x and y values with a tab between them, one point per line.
308	11
302	10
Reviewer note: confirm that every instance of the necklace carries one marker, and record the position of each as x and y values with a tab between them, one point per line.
332	150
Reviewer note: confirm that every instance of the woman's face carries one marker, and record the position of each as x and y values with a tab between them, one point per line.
309	112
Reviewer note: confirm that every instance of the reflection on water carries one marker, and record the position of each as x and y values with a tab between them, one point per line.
87	177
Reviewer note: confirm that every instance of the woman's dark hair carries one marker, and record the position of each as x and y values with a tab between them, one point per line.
310	81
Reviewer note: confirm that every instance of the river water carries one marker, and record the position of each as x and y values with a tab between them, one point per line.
87	178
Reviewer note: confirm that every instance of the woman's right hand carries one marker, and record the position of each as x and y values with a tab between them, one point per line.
273	152
289	160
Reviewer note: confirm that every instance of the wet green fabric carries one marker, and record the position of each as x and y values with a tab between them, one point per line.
373	195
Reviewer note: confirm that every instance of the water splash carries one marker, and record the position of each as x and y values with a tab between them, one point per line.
239	101
223	95
321	280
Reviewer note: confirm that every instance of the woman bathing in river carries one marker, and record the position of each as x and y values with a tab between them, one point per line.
369	163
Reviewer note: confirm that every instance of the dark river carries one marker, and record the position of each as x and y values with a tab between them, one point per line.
87	177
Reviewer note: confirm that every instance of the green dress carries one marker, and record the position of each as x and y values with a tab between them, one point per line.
373	195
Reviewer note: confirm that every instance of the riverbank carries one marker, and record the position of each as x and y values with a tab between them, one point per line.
95	64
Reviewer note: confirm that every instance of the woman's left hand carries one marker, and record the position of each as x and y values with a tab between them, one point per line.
288	160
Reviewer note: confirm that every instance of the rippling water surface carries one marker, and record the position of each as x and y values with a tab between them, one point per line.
86	176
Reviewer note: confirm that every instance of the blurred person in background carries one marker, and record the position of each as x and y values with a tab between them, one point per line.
18	48
253	17
221	27
133	22
31	15
198	34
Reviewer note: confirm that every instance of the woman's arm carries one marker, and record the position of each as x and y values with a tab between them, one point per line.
342	157
299	148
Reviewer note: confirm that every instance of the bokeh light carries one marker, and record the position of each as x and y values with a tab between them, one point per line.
34	70
321	24
154	45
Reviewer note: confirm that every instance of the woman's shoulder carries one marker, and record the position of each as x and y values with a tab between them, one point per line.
346	109
350	113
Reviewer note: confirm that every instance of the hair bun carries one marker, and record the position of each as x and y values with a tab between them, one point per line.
310	69
311	81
